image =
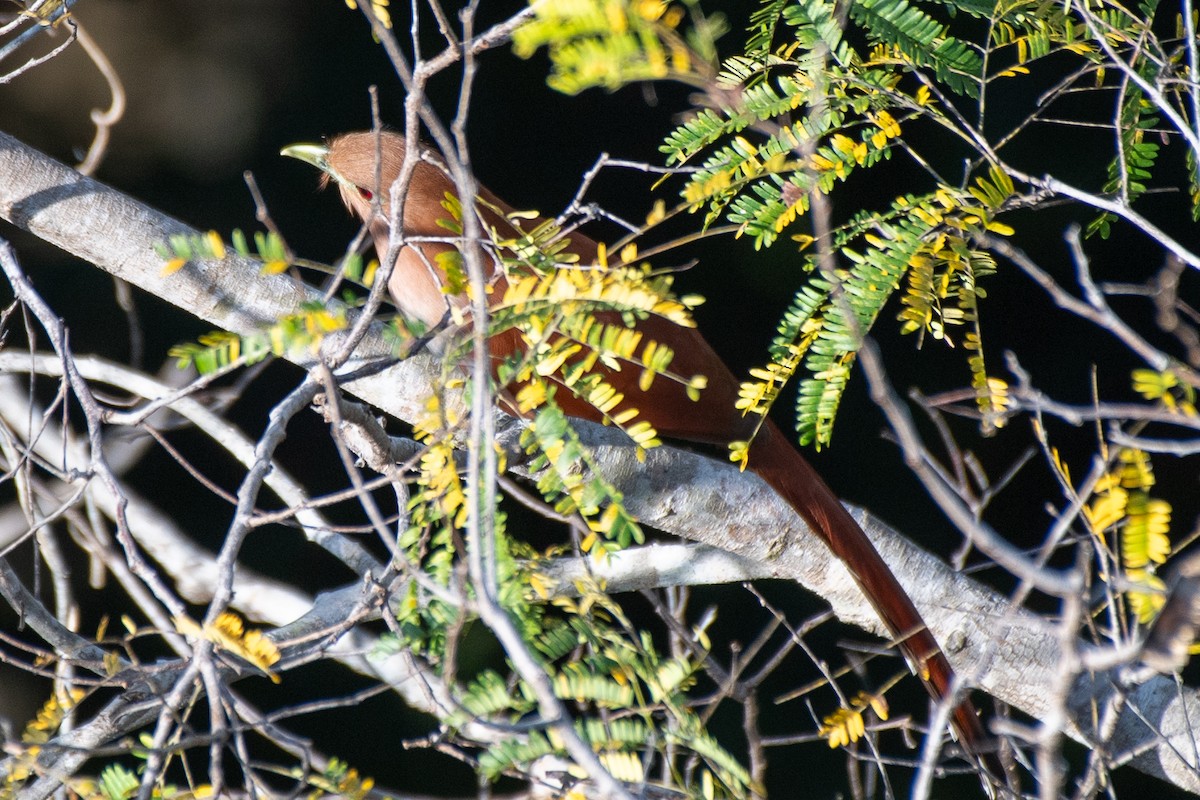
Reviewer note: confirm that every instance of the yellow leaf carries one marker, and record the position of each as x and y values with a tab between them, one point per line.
1153	385
1013	71
172	266
842	727
888	125
229	633
1061	466
216	244
553	363
602	524
531	396
879	705
622	417
1146	602
1107	510
623	766
843	144
540	585
739	453
657	214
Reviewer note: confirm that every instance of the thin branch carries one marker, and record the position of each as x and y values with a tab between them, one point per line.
92	414
103	120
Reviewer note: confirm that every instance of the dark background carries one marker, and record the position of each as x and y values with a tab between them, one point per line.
216	88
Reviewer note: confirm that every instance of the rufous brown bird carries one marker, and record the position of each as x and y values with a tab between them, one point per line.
364	166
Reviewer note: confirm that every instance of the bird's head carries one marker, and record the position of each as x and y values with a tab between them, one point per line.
365	164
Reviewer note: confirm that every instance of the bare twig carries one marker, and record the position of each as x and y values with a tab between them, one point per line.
103	120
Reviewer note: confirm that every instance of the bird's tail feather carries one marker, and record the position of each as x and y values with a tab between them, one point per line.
778	463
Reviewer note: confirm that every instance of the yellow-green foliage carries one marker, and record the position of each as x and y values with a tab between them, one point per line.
37	732
598	663
923	243
565	342
572	323
810	106
621	688
340	780
610	43
1123	504
229	633
304	330
114	782
846	725
845	111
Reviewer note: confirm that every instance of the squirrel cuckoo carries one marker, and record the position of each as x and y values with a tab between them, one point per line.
365	164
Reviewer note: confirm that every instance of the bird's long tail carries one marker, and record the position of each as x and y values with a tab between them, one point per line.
778	463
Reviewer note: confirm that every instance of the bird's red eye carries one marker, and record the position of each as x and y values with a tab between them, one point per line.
365	194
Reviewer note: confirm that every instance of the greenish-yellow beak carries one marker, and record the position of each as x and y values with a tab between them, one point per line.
315	154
